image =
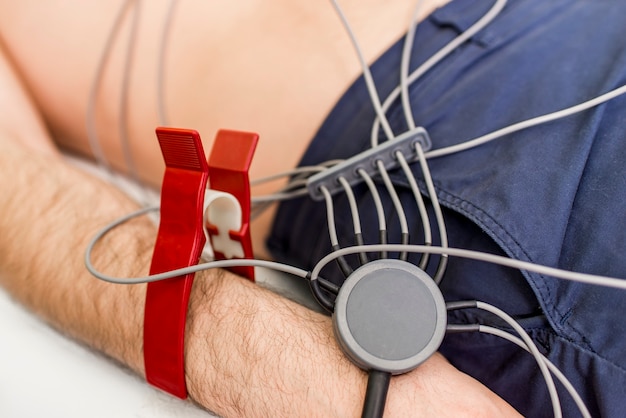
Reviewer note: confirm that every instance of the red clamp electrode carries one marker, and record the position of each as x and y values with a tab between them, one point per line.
179	243
181	239
229	165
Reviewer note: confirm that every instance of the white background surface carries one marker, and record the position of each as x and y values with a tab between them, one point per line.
44	374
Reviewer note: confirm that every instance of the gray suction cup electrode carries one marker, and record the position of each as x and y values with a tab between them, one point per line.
389	316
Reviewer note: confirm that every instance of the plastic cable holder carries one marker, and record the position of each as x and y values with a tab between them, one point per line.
367	161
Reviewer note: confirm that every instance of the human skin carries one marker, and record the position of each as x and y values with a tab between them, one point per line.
237	333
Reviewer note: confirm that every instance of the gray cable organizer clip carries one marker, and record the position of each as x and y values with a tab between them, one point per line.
385	152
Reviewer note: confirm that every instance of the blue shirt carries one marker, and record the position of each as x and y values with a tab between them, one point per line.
552	194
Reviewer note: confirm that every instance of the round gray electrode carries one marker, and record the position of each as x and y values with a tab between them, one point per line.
389	316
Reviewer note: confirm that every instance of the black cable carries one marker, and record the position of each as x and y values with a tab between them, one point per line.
383	240
342	263
405	241
376	394
322	298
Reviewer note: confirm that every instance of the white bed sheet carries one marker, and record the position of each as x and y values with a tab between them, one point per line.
45	374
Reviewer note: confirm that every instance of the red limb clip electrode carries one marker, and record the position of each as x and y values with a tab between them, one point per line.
229	164
181	239
179	243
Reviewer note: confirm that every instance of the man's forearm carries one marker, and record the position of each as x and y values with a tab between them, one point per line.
49	212
248	352
241	339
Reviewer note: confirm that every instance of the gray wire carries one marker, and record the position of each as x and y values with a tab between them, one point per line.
527	124
332	232
124	95
441	224
436	58
420	204
280	196
367	75
291	190
378	203
520	343
555	371
554	396
178	272
165	36
406	105
354	210
405	64
394	197
356	218
296	187
330	216
90	112
592	279
289	173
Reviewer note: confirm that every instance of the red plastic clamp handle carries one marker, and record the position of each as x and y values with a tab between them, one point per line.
229	164
179	243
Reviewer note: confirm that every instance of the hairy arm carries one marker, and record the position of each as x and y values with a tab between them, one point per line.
249	352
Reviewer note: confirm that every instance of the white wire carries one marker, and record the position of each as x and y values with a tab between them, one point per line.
527	124
554	396
367	75
593	279
555	370
436	58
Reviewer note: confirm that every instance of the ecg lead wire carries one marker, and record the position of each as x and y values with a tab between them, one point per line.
441	224
295	271
436	58
530	344
532	347
419	200
592	279
486	329
161	63
90	113
378	204
404	227
405	63
555	371
367	75
549	117
123	112
356	218
332	231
